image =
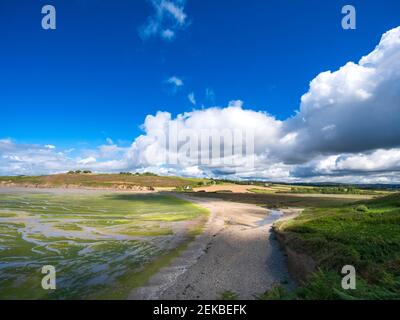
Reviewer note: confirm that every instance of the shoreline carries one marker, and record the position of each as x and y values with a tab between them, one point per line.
234	253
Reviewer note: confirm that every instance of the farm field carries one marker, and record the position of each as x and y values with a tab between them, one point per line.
283	200
243	188
101	244
273	188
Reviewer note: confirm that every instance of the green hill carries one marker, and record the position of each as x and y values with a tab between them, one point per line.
117	181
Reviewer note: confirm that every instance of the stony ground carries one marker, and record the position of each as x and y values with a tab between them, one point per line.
236	253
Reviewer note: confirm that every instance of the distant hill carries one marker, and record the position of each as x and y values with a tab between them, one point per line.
111	181
367	186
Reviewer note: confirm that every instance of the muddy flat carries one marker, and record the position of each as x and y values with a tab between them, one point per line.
101	242
236	253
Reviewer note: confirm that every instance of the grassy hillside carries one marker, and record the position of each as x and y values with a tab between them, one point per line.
101	181
365	235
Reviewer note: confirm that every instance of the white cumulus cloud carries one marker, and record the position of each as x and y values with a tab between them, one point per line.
353	109
348	116
346	129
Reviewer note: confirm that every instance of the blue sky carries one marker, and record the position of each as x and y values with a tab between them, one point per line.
97	76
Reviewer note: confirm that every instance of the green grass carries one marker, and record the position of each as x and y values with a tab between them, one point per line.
228	295
334	190
277	292
100	244
365	235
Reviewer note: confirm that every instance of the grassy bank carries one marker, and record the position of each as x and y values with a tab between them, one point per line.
365	235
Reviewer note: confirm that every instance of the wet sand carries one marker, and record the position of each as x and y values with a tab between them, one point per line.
237	252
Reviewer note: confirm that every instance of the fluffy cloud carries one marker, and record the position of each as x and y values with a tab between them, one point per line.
344	118
167	142
354	109
346	129
29	159
377	162
168	18
32	159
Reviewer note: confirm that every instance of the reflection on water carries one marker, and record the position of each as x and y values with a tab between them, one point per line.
273	216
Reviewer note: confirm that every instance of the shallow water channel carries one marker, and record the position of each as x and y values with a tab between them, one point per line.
273	216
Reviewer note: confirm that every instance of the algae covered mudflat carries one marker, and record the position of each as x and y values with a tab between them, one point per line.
98	242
